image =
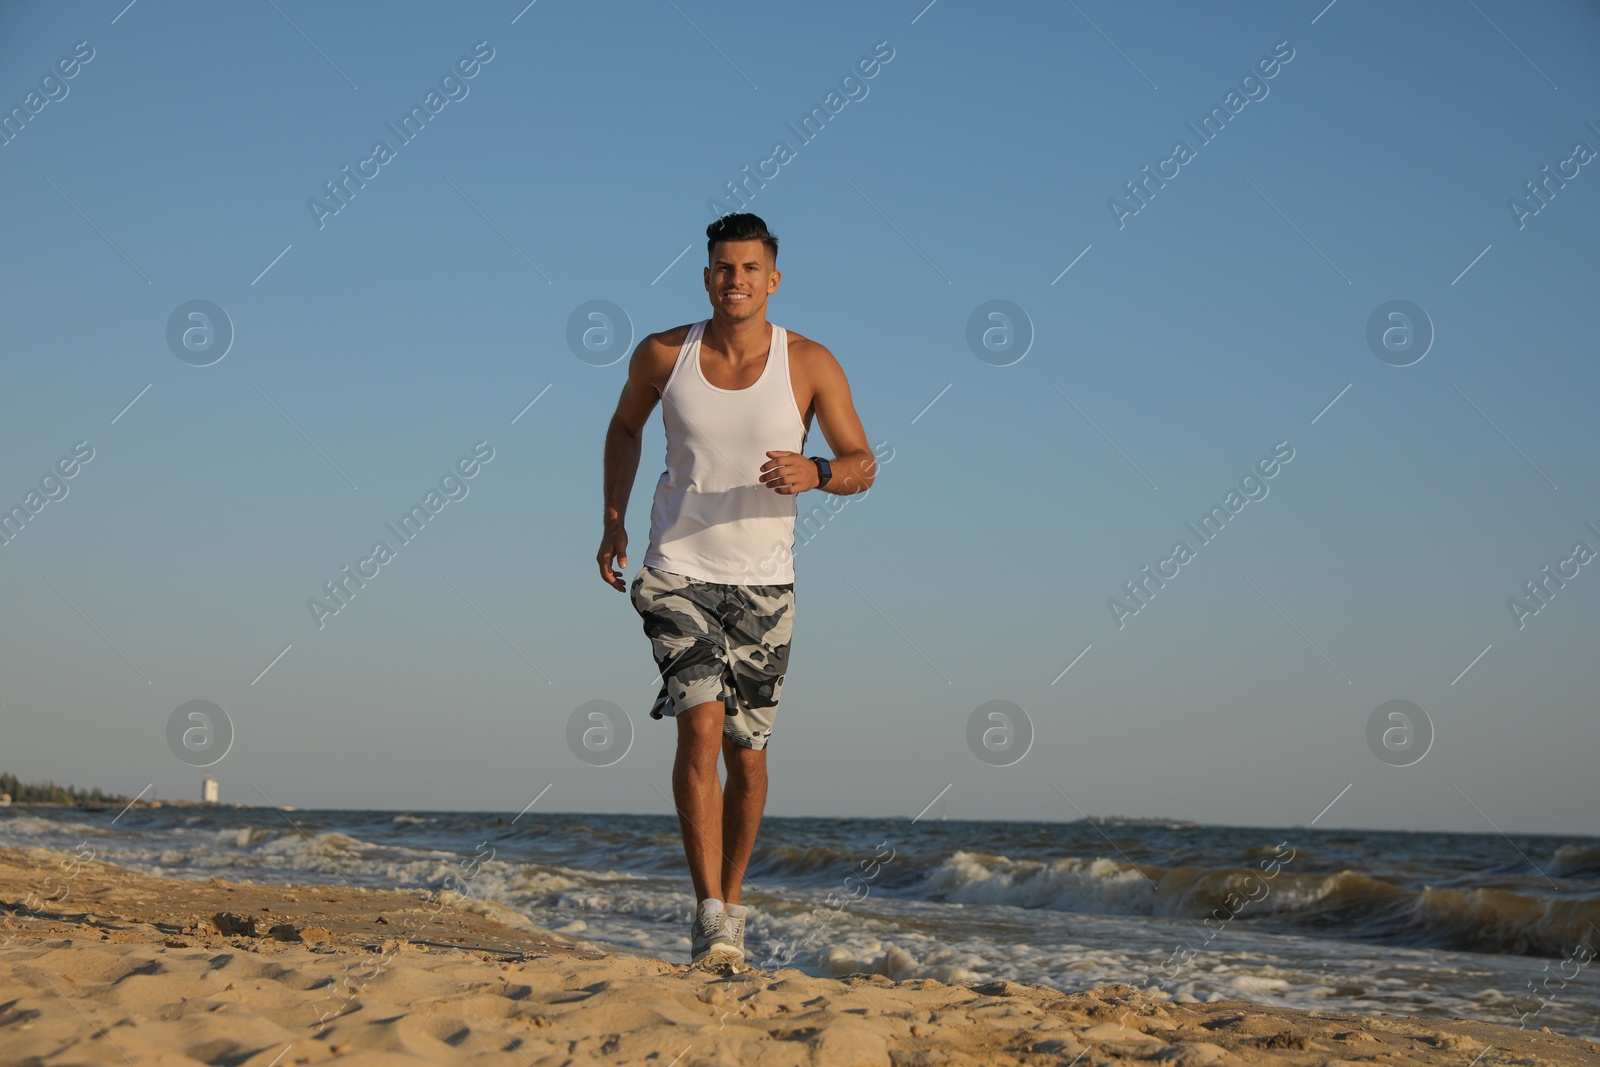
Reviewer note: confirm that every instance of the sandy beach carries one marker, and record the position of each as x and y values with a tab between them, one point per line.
104	965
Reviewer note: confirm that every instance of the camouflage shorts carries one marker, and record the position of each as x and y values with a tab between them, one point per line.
727	644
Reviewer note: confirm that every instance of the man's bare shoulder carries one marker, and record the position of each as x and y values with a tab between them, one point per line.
666	342
672	337
657	353
812	357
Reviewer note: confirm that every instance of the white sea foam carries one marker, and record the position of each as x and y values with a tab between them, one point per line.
1097	885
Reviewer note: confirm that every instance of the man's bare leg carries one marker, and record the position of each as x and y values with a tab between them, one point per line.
698	795
742	805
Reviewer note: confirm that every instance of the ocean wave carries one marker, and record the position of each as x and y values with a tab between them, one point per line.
329	844
1576	861
1094	885
779	860
241	836
34	826
256	848
1494	920
1349	902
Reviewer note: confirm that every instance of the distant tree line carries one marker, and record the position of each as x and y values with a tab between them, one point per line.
50	793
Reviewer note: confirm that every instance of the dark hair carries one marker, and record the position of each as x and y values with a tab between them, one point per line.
740	227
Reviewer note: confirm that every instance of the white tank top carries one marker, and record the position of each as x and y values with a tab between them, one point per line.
711	518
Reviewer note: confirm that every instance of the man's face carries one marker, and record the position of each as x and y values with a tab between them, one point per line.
740	278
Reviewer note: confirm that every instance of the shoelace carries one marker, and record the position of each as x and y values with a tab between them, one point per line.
710	925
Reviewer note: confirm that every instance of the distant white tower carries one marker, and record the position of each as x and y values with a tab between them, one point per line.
208	791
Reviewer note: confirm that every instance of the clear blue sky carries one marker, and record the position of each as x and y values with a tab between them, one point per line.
177	163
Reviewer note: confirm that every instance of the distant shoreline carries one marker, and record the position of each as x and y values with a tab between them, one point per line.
180	802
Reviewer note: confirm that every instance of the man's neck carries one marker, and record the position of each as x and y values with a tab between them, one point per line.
742	342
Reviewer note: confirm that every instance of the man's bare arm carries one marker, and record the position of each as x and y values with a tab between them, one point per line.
623	438
854	466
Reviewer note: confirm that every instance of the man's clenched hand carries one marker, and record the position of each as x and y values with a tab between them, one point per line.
789	473
613	546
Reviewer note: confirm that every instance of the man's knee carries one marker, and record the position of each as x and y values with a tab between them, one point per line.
700	730
744	764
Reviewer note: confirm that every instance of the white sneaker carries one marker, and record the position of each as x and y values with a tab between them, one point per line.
737	913
712	938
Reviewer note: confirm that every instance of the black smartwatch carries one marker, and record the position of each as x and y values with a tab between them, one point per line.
824	470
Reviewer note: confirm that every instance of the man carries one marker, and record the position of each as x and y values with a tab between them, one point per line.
716	592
